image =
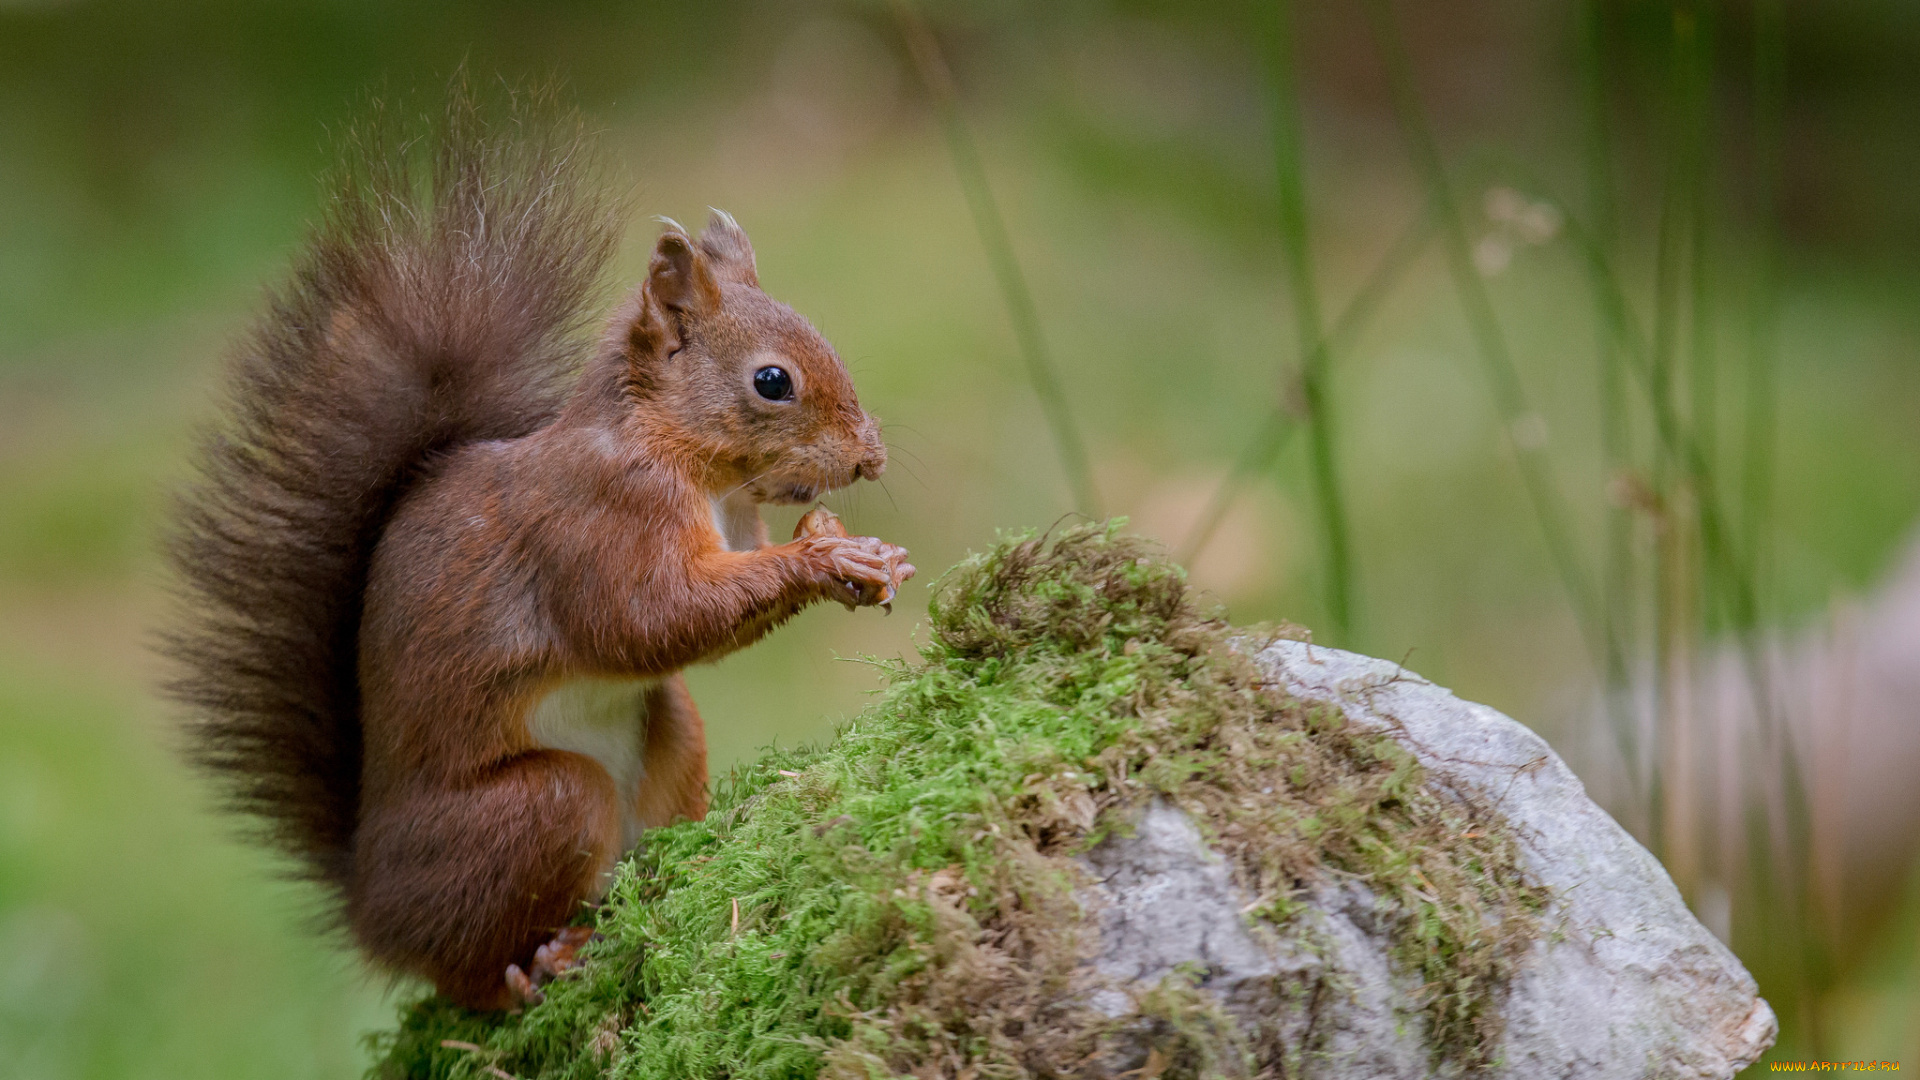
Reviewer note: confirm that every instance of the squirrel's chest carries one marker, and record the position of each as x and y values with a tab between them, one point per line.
737	519
605	719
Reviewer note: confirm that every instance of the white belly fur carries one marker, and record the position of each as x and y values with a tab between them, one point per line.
605	719
737	517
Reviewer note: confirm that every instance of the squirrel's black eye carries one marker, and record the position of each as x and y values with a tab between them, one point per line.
773	383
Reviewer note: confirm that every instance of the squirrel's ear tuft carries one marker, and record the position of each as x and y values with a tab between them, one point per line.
725	244
679	278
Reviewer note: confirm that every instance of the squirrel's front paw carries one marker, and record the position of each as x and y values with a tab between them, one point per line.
859	571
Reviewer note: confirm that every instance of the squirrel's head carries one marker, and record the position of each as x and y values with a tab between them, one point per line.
751	389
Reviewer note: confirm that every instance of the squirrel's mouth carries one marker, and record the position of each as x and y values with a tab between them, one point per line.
801	486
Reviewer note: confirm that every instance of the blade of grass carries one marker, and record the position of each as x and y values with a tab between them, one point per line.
1769	68
1673	599
1294	242
1702	359
1812	971
1509	397
1694	843
1262	451
1278	426
1618	572
938	79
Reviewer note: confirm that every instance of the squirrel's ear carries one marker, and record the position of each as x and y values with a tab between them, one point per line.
679	278
725	245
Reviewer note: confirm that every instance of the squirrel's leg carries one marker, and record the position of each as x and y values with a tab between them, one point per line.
673	787
458	882
673	782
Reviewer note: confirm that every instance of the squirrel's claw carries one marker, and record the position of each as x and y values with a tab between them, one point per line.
525	994
901	573
562	954
550	961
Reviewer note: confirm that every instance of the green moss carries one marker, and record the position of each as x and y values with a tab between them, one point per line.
900	901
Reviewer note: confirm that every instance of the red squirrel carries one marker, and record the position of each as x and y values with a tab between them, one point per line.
448	556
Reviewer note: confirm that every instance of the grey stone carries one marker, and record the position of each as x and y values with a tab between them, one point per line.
1165	900
1626	984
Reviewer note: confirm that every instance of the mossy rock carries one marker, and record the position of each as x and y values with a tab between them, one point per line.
987	873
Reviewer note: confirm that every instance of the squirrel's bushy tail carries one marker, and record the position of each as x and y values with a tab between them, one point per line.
442	300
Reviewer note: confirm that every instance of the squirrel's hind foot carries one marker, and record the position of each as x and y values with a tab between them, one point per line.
550	961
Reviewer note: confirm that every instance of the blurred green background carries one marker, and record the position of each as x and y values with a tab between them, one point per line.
158	163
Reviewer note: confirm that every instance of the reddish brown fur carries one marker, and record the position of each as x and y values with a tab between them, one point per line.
480	564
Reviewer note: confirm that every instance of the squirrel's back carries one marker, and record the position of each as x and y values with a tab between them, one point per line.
444	299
